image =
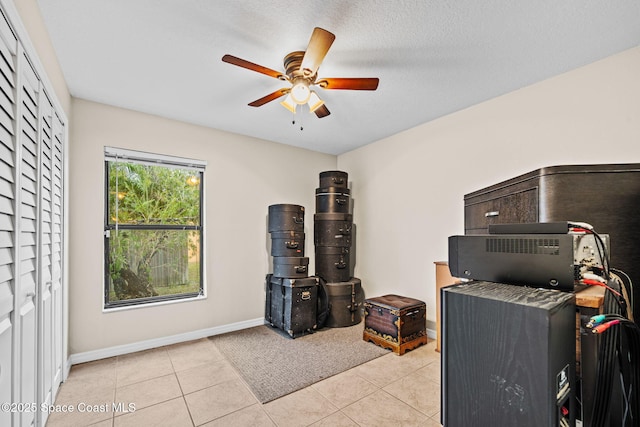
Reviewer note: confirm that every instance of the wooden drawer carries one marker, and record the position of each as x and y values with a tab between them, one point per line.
518	207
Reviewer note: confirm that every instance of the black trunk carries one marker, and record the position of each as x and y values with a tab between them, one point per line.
292	304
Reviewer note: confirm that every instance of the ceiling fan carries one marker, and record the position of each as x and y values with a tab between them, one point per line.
301	71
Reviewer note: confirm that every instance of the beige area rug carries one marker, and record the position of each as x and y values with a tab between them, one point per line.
273	365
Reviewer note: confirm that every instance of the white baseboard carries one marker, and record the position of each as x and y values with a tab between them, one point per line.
432	334
103	353
119	350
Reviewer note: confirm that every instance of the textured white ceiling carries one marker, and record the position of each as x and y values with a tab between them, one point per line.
432	57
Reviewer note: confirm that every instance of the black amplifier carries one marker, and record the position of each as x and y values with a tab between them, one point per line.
554	261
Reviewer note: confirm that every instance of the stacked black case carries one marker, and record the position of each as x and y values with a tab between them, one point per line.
333	240
291	295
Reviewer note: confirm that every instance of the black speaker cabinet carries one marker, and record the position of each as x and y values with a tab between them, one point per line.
508	356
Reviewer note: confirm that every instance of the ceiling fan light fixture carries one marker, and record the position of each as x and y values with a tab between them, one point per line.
301	72
289	104
300	92
314	102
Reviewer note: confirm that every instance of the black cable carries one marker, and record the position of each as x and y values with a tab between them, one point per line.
623	376
630	372
604	255
606	268
619	360
606	366
621	344
633	337
628	284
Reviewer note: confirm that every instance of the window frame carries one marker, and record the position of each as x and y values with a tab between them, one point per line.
111	155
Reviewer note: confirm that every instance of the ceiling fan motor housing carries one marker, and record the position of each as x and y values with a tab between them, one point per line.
293	67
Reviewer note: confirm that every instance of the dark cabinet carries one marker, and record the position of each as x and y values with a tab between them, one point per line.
606	196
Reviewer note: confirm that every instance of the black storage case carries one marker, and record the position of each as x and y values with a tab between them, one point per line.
332	200
292	304
286	217
346	302
290	267
334	179
508	356
287	244
333	264
332	229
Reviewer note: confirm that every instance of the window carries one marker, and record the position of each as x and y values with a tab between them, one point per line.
153	228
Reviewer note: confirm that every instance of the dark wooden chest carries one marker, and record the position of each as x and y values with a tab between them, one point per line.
395	322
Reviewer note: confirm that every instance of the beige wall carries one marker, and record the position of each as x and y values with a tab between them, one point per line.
39	37
408	189
243	177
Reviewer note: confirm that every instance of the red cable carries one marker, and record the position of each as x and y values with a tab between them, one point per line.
601	328
596	283
580	230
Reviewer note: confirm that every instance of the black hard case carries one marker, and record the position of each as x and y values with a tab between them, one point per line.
334	179
286	217
333	200
290	267
332	229
292	304
333	264
346	302
287	244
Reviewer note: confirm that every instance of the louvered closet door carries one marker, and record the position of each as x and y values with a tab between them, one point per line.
8	46
31	235
45	298
50	351
56	251
27	240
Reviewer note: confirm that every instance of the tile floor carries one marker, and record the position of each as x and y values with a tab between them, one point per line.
191	384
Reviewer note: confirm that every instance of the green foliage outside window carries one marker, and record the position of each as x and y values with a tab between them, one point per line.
153	223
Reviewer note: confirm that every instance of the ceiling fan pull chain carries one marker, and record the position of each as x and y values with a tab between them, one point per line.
293	121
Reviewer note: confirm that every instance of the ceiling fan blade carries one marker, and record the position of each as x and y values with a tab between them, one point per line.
318	47
253	67
322	111
274	95
349	83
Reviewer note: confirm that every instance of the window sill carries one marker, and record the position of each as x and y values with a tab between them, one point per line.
152	304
